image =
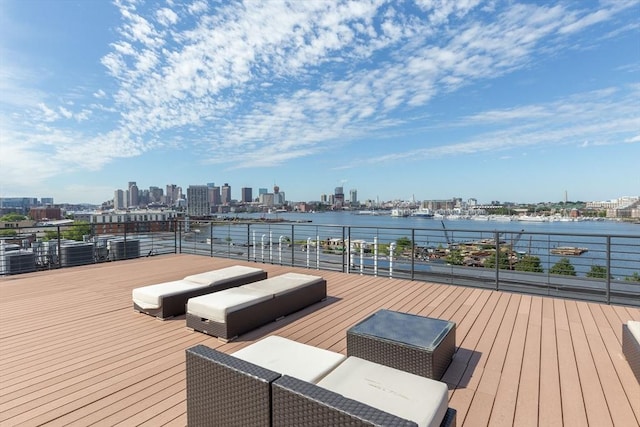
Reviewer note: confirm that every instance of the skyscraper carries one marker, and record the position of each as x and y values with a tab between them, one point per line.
118	199
133	194
226	194
198	200
353	196
246	194
338	197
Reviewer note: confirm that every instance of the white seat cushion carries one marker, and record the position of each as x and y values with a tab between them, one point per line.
400	393
216	306
149	297
284	283
222	275
291	358
634	328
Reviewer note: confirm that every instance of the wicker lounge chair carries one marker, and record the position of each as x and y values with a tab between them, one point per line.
165	300
232	312
631	346
225	389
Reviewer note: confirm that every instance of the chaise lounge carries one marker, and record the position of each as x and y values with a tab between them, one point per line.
280	382
169	299
234	311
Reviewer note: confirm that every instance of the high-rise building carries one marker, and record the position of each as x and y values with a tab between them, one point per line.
262	191
198	200
338	197
226	194
247	196
118	200
155	194
133	194
353	196
278	196
174	193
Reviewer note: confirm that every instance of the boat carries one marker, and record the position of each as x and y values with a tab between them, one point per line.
422	213
400	212
568	250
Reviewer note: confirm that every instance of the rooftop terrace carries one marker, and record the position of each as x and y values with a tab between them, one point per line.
73	351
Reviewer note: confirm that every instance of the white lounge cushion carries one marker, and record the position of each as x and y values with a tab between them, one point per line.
216	306
291	358
284	283
222	275
400	393
150	297
634	328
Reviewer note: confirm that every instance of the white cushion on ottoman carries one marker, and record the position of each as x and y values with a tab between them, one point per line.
148	297
216	306
284	283
222	275
634	328
291	358
400	393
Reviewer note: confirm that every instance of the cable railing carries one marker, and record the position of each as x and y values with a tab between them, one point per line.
594	267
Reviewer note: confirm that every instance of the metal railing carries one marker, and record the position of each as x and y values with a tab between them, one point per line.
595	267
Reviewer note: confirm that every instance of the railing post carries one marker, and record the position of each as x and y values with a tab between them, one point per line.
125	240
179	230
344	249
293	246
608	290
413	253
254	246
351	251
248	241
211	239
308	250
280	239
375	255
59	247
270	247
317	252
392	248
496	236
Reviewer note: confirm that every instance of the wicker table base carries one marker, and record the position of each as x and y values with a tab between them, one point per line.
380	343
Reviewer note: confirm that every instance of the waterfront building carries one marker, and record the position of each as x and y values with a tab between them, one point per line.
278	196
338	197
198	201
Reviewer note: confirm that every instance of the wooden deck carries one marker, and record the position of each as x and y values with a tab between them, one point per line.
73	351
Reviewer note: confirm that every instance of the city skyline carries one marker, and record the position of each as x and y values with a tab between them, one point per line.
480	99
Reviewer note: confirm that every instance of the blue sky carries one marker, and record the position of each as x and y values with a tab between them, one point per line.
496	100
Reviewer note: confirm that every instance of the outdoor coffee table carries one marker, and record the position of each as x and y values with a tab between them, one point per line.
417	344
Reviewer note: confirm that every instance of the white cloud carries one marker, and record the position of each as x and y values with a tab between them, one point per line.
261	83
166	16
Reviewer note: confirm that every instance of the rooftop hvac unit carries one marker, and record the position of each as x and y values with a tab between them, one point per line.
16	262
101	250
79	253
121	249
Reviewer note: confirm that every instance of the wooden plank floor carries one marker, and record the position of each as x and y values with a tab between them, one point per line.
73	351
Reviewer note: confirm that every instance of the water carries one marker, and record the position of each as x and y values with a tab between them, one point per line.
534	238
387	221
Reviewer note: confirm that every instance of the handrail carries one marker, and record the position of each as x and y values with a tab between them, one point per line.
598	267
